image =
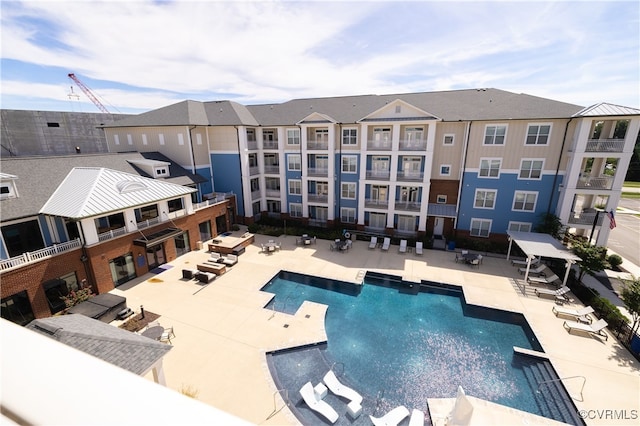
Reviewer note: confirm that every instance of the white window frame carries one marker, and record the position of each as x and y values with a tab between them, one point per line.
144	139
537	134
130	138
161	138
526	195
294	187
180	139
291	162
116	139
347	215
380	217
441	199
350	158
452	136
518	226
490	164
481	222
351	138
495	134
350	188
295	209
532	160
485	192
448	173
293	137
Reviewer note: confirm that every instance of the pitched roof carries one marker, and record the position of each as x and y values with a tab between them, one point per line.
119	347
94	191
35	189
605	109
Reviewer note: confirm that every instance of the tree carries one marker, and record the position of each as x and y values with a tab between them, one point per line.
631	298
549	224
594	258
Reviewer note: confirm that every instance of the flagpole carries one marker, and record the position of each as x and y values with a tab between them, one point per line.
593	228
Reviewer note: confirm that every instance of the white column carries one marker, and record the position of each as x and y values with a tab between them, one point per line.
331	161
89	230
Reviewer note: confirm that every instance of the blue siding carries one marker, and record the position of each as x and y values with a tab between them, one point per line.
46	233
346	178
206	187
227	177
3	250
506	187
62	230
293	175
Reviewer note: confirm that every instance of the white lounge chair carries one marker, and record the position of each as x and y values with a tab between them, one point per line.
544	280
386	243
596	328
582	315
339	389
316	404
403	246
229	260
215	257
393	417
373	243
417	418
419	248
539	270
534	262
559	294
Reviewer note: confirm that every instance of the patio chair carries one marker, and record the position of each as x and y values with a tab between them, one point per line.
597	328
339	389
539	270
167	334
582	315
417	418
393	417
534	262
229	260
475	262
315	403
418	248
403	246
543	280
386	243
560	294
373	243
215	257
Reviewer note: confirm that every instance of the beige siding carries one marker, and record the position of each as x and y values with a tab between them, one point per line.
223	139
153	135
448	154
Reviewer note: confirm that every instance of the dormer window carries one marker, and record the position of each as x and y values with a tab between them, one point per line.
161	172
8	186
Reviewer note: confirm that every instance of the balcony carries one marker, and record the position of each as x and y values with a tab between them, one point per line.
378	174
35	256
318	171
255	194
318	223
410	176
409	206
605	145
318	198
318	145
252	145
373	145
273	169
212	199
376	204
273	193
585	218
413	145
595	182
269	144
111	234
149	222
254	170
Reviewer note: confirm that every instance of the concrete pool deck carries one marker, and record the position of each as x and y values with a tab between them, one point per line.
223	331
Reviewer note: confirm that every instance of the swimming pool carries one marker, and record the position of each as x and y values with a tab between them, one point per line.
399	346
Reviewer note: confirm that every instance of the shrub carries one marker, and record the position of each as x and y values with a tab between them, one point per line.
614	261
253	228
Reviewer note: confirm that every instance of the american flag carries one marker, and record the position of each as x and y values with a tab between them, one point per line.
612	220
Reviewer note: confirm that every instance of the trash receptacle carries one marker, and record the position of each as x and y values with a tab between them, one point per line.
199	245
451	245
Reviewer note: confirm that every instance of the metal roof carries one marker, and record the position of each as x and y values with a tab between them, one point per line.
92	191
119	347
537	244
605	109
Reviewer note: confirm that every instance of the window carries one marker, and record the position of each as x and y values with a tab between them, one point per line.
495	134
146	213
129	139
175	205
198	139
295	187
255	208
349	164
525	201
349	136
485	199
531	169
161	139
17	308
480	227
349	190
322	135
116	139
295	210
538	134
293	136
413	134
490	167
251	135
161	172
448	139
253	160
268	135
294	162
144	139
255	184
520	226
272	184
347	215
445	170
378	220
441	199
180	139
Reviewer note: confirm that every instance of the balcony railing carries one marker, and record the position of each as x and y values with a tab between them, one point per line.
272	193
252	145
37	255
379	145
269	144
215	198
318	198
149	222
254	170
585	218
317	171
378	174
410	206
322	145
595	182
605	145
376	204
255	194
413	145
112	233
272	169
410	175
318	223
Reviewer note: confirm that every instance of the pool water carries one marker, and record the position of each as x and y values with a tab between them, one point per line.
400	349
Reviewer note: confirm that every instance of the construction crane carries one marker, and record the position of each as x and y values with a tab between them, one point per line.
88	92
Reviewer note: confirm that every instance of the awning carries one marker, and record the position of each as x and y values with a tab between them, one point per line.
157	237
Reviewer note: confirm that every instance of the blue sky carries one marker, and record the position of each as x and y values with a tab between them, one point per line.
139	55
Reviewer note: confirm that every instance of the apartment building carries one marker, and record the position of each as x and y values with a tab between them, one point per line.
476	163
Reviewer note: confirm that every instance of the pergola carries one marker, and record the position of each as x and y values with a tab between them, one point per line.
542	245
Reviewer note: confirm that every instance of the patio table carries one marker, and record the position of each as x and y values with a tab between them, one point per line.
153	332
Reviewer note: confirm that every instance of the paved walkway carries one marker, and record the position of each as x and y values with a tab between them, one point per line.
222	331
